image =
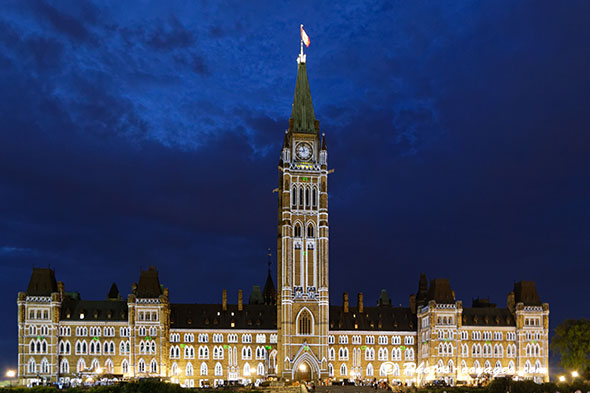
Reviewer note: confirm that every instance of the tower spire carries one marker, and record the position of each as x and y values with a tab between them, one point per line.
302	115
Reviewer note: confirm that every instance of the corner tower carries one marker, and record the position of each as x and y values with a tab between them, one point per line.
302	244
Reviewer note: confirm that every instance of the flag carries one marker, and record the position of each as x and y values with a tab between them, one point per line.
304	37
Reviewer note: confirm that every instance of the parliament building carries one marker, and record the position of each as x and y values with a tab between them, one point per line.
291	332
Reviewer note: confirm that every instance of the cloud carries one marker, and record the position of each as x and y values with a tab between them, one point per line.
61	22
170	35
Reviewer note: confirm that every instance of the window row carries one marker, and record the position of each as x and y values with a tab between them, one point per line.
536	321
36	330
95	331
147	347
382	354
189	370
38	346
304	197
39	313
384	371
143	331
150	316
94	347
218	338
370	340
487	350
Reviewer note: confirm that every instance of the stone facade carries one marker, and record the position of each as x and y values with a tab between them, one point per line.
293	332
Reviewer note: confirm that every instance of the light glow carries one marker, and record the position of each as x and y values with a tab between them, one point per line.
575	374
302	367
561	378
11	373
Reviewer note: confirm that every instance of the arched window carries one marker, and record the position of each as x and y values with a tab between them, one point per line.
511	366
108	366
331	354
141	366
301	198
497	367
304	323
81	365
294	198
464	368
64	366
369	370
124	366
527	367
32	367
174	369
307	198
153	366
343	370
477	367
218	369
246	371
204	369
44	366
330	370
310	230
315	197
260	369
189	370
297	231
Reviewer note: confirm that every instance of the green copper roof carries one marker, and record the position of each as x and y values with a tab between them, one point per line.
303	118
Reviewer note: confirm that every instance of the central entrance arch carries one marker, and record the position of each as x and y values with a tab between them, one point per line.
305	368
303	372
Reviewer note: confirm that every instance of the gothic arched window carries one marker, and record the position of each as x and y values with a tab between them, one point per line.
300	198
310	230
304	327
297	231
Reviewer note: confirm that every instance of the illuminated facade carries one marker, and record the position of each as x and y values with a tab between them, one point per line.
293	332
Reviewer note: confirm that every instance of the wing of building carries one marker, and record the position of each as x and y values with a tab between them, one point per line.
289	333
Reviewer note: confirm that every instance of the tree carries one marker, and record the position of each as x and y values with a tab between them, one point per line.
572	342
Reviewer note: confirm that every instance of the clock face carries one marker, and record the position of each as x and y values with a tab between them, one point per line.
303	151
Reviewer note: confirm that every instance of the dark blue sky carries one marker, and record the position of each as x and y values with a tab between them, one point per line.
149	134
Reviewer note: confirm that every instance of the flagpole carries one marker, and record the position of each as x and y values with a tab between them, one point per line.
302	48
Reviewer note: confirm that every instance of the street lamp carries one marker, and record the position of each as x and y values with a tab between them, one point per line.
561	378
10	374
575	374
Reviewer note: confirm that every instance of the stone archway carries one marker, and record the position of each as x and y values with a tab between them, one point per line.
304	372
305	368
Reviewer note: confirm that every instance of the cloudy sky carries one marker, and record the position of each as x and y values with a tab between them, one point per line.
147	133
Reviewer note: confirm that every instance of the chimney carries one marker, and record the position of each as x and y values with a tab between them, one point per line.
413	303
510	302
345	301
240	300
361	305
61	289
224	300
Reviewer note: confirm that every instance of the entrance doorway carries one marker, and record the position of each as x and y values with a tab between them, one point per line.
304	372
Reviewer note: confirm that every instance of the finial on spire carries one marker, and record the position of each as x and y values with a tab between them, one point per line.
304	40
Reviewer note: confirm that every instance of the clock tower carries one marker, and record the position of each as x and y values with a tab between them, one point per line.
302	242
